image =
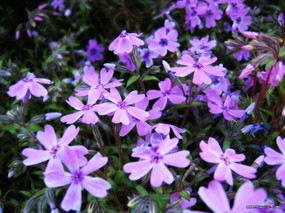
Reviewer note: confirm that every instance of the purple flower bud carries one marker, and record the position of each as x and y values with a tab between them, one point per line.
250	34
17	34
52	115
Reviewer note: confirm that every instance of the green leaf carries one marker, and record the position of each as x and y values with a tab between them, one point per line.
185	195
132	79
226	144
150	78
141	190
282	51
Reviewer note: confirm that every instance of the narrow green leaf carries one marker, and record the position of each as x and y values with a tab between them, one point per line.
132	80
150	78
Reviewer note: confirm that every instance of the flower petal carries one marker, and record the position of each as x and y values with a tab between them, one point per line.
47	137
94	164
96	186
138	169
178	159
72	199
69	135
35	156
159	174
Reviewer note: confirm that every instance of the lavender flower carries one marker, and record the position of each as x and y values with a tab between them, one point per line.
277	74
202	47
165	129
28	86
201	69
212	14
216	199
275	158
227	107
124	43
77	178
226	161
155	160
94	50
87	112
58	4
146	56
163	41
121	108
166	92
54	148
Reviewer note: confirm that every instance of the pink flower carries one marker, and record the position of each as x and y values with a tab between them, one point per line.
227	107
98	83
276	76
276	158
163	41
155	159
124	42
142	127
201	69
246	71
23	89
167	92
78	179
216	199
165	129
121	108
226	161
87	112
54	148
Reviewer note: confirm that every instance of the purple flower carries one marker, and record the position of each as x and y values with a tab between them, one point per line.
98	84
121	108
275	158
227	107
163	41
146	56
58	4
202	47
242	54
126	59
142	127
246	71
276	76
233	8
77	178
155	160
212	14
87	112
216	199
165	129
193	13
242	21
166	92
54	148
124	43
226	161
23	89
201	69
94	50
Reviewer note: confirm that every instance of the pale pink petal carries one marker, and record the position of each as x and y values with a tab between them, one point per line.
37	89
143	128
206	61
201	77
89	117
47	137
160	174
72	199
178	159
153	94
182	71
69	135
57	178
273	157
160	103
69	158
105	76
138	169
167	145
90	77
94	164
237	113
246	195
71	118
138	113
214	109
105	108
19	90
280	173
165	85
124	46
114	96
162	128
75	103
96	186
93	96
243	170
281	144
80	152
231	154
114	44
134	40
133	97
121	116
42	80
223	172
35	156
186	60
227	116
176	99
127	128
215	197
214	70
54	164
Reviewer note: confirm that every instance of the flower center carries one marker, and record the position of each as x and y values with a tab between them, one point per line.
225	159
156	158
167	92
209	13
198	66
122	105
86	107
163	42
54	150
77	177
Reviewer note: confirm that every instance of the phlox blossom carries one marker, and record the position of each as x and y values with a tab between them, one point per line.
54	148
216	199
276	158
156	160
121	108
202	69
30	85
167	92
78	179
94	50
226	161
124	42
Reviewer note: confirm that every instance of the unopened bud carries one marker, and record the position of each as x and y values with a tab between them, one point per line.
250	34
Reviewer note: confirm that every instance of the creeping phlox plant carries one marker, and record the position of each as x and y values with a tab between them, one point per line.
143	106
